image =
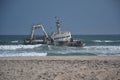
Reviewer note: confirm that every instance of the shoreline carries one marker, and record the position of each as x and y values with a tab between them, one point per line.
61	58
60	68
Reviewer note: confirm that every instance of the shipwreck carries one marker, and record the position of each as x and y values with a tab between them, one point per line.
58	38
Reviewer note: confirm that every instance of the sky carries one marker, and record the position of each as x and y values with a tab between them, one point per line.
83	17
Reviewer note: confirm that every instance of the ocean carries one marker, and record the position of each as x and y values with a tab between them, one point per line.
96	45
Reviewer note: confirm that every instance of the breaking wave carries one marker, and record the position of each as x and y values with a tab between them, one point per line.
95	45
106	41
23	54
86	50
15	47
40	50
102	50
14	41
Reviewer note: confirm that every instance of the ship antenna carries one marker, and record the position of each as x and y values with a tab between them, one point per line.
58	25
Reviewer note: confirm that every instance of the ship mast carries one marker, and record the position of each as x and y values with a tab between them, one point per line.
58	25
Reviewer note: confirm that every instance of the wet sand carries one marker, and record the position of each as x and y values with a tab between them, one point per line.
60	68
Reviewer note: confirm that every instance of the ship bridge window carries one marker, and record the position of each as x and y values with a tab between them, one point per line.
61	37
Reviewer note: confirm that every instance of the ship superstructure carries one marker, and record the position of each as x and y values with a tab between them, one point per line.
60	37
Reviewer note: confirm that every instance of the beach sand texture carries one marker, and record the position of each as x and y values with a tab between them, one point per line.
60	68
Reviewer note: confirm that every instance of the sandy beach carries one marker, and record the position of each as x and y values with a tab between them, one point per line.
60	68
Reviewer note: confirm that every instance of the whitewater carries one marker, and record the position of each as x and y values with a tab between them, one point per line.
97	45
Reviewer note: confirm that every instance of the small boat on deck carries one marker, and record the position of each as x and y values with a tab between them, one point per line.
58	38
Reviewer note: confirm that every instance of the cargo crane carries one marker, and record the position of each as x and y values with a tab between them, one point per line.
37	26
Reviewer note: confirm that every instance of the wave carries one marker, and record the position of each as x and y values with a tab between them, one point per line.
87	50
24	54
102	50
106	41
41	50
16	41
103	47
15	47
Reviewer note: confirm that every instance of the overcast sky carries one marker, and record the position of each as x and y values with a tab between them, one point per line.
77	16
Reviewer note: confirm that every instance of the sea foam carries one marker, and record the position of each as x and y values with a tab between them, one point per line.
14	47
23	54
14	41
106	41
